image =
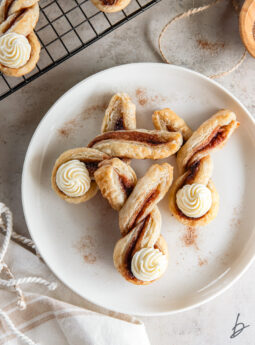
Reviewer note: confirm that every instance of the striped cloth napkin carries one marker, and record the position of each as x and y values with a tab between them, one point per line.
60	316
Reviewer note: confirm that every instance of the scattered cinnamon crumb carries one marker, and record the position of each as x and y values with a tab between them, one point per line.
202	262
235	221
90	111
71	126
68	128
210	46
142	97
86	247
190	237
89	259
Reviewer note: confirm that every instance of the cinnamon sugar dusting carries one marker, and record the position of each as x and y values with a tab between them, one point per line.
235	221
94	109
190	237
202	262
89	259
143	98
86	247
212	47
71	126
68	128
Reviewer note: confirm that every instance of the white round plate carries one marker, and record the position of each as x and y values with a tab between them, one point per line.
77	241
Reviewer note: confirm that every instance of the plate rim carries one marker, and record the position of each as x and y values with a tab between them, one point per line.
26	161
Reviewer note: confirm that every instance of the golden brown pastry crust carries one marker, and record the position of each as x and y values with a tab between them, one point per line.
18	5
21	16
110	6
120	114
91	158
30	65
167	120
138	144
116	180
21	22
211	135
148	191
195	164
140	220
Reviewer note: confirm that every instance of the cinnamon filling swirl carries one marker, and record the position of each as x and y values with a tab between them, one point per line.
119	124
126	185
109	2
147	202
131	250
148	138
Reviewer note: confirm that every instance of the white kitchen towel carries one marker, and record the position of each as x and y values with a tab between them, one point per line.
61	317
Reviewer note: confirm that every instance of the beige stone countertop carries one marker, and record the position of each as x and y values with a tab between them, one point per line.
136	41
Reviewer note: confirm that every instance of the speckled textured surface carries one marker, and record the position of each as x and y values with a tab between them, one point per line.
137	42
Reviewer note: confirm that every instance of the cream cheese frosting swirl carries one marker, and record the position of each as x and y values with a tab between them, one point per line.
73	178
15	50
194	200
148	264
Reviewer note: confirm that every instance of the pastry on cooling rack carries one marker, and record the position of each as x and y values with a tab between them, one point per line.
110	6
19	46
138	144
73	174
194	200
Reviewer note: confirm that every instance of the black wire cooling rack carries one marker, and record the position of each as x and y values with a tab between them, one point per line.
65	27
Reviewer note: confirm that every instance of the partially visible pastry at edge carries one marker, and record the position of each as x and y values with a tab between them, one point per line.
141	255
138	144
116	180
120	114
19	46
194	200
73	174
110	6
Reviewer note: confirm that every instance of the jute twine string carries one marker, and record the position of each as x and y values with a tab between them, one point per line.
6	225
190	13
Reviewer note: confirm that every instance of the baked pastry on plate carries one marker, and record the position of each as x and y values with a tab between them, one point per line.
120	114
194	200
73	174
141	255
116	180
138	144
167	120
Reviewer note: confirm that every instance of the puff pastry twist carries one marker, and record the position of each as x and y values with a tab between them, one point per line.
195	166
139	217
138	144
18	17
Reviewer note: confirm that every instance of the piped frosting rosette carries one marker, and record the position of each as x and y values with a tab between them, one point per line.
73	174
